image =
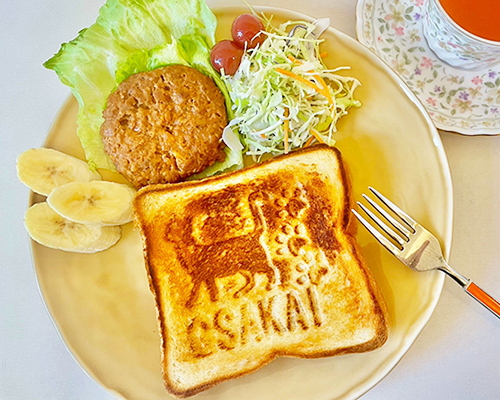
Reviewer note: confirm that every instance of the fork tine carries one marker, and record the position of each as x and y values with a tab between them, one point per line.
388	231
402	229
381	238
395	209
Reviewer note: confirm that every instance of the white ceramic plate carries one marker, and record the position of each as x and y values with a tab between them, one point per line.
104	311
458	100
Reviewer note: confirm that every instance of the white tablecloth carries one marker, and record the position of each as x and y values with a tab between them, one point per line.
457	356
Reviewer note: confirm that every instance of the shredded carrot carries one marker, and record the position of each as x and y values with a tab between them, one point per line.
300	79
326	90
309	141
286	128
262	136
324	54
317	136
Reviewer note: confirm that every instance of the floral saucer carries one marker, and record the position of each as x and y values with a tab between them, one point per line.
457	100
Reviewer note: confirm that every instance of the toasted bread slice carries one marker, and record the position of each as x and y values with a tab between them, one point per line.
256	264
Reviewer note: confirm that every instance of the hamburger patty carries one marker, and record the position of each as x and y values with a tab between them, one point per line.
164	125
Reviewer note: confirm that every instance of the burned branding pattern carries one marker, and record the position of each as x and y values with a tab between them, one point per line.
265	246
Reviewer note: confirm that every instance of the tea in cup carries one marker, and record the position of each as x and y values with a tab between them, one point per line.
464	33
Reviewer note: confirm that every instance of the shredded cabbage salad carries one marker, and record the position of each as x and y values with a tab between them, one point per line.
283	95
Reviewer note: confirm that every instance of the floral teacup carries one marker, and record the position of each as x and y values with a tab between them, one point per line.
453	44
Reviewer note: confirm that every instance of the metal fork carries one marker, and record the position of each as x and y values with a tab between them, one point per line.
415	246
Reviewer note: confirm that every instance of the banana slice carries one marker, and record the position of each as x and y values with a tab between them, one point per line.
97	202
43	169
47	227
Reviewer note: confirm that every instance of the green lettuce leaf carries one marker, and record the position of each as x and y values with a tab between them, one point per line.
132	36
147	60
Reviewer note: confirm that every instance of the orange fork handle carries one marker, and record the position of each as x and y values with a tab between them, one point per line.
484	298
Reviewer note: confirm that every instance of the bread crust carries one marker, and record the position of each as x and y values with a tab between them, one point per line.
360	273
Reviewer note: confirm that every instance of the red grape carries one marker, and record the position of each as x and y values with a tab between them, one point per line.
244	29
226	55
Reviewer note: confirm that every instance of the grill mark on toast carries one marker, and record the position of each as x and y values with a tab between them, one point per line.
312	296
267	317
295	314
